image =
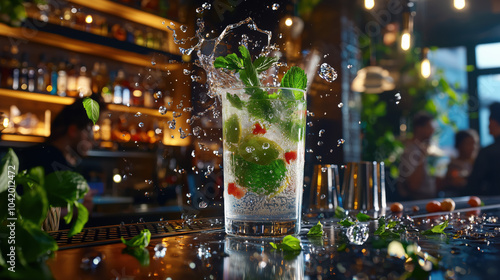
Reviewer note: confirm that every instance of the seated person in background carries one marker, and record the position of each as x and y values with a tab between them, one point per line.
485	176
459	168
414	181
69	141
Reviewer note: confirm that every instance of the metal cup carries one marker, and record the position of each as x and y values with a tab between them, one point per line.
364	186
325	185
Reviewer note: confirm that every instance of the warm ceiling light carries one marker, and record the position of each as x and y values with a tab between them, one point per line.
425	68
288	22
459	4
369	4
405	40
88	19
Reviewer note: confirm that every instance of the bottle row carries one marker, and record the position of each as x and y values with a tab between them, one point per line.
87	20
70	77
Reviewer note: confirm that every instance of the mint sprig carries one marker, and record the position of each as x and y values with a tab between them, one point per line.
92	108
316	230
437	229
289	244
141	240
363	217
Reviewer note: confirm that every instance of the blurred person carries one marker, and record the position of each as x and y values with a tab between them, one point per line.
459	168
414	180
485	176
64	149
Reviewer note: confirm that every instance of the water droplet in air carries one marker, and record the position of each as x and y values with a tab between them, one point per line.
202	204
141	124
398	97
324	169
158	130
153	63
183	28
162	110
320	143
323	196
157	95
310	150
186	72
319	158
341	105
340	142
141	220
196	130
188	195
206	6
193	154
310	124
349	66
192	265
327	73
321	132
276	6
199	10
138	114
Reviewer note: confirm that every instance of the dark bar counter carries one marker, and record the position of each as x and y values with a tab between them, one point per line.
200	249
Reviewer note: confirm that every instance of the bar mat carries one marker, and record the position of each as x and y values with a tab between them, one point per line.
112	234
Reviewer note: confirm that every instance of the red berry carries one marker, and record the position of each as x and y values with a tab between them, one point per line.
289	156
232	189
258	129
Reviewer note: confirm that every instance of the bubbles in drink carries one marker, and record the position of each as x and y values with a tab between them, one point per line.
275	6
162	110
327	73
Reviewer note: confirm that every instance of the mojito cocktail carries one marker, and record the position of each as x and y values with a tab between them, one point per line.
263	136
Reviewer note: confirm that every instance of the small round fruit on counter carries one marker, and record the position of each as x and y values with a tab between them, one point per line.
448	204
433	206
474	201
397	207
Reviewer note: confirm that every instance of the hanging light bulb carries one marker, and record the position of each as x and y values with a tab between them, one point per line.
405	40
369	4
425	65
459	4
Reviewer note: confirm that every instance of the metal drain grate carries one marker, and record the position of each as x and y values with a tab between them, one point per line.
112	234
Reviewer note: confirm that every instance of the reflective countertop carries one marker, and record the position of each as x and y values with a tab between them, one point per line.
200	249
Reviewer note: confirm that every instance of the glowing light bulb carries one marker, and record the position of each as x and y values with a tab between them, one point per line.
288	22
459	4
405	41
425	68
369	4
5	122
117	178
88	19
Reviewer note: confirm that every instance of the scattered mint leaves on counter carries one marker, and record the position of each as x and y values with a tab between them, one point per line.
289	244
346	222
437	229
316	230
363	217
388	229
141	240
92	108
139	253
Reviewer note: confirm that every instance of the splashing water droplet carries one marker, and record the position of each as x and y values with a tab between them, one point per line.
141	124
319	158
157	95
171	124
327	73
196	130
186	72
162	110
188	195
193	154
349	66
310	124
324	169
321	132
199	10
138	114
340	105
206	6
202	204
153	63
183	28
310	151
158	131
340	142
276	6
323	196
320	143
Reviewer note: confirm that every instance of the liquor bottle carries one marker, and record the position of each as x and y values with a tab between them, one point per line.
118	32
106	91
137	92
23	76
31	79
62	79
6	70
126	92
72	73
106	129
84	83
53	80
149	38
139	38
118	88
41	75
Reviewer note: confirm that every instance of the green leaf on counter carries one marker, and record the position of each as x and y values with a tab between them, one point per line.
140	240
139	253
81	219
346	222
316	230
363	217
92	108
295	78
289	244
437	229
339	212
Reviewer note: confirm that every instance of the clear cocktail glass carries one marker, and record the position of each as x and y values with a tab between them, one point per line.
264	137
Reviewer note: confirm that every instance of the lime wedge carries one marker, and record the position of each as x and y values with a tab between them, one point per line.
258	149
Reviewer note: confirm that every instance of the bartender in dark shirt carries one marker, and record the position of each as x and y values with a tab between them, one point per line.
485	176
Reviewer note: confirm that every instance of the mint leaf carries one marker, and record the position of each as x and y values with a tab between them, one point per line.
295	78
346	222
289	244
92	108
230	62
35	243
8	169
65	187
437	229
248	75
339	212
139	253
363	217
33	205
263	63
316	230
81	219
234	100
141	240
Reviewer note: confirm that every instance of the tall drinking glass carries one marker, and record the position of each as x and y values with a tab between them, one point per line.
263	136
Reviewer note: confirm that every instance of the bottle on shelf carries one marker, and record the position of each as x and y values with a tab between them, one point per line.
52	89
72	74
6	69
23	75
150	43
107	89
42	75
62	79
137	92
84	83
126	92
118	87
31	79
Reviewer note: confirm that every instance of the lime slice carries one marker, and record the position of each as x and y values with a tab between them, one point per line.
258	149
260	179
232	130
